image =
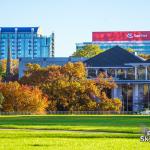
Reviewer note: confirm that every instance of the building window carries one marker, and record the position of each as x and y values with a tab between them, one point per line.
130	74
111	72
101	71
146	98
141	72
11	36
19	35
29	52
121	74
91	73
5	36
28	35
148	72
127	97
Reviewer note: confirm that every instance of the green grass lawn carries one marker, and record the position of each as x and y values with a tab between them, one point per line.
75	132
110	123
43	140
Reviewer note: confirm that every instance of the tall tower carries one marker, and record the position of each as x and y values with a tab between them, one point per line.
53	44
8	66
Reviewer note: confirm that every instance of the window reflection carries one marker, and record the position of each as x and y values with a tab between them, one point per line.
121	74
141	72
148	72
130	74
144	96
127	97
91	73
101	70
111	72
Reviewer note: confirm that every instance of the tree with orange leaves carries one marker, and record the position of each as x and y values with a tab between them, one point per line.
13	67
21	98
68	88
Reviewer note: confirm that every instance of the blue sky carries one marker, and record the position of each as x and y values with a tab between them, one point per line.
74	20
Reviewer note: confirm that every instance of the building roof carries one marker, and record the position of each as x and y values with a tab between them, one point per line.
19	29
114	57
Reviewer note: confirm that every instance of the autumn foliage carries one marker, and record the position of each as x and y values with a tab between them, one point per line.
21	98
68	88
13	67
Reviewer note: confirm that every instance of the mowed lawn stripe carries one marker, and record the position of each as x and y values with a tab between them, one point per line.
43	140
101	123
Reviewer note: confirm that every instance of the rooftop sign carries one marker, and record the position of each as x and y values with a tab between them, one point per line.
121	36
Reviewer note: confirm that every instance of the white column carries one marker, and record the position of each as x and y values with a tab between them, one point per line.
96	72
145	72
114	93
135	72
125	73
135	97
106	72
87	72
115	73
120	92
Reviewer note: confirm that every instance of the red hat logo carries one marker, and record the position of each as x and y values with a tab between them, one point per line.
130	35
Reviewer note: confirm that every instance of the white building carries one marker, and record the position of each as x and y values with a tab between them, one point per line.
130	72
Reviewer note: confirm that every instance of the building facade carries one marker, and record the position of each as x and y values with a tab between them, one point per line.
130	72
137	40
25	42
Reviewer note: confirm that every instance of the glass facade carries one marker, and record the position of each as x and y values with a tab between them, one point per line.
127	97
24	42
146	90
133	85
141	72
139	47
91	73
148	72
144	96
111	72
130	74
122	73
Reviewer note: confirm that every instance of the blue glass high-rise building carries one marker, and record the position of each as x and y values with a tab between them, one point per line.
25	42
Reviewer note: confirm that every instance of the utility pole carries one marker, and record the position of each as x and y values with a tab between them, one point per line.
8	66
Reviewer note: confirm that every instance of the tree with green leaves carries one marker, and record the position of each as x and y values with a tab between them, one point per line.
145	56
88	51
130	50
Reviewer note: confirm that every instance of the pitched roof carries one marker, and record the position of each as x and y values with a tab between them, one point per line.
114	57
